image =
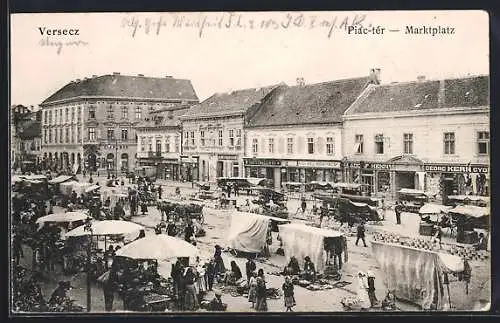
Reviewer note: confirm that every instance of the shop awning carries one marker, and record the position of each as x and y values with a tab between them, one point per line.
255	181
431	208
36	177
60	179
473	198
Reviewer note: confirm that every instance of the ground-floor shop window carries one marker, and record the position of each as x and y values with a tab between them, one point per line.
383	182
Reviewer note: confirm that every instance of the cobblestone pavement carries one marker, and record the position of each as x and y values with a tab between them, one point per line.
360	258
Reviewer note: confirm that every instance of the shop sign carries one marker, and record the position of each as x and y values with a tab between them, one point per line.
227	157
262	162
186	159
367	165
480	169
318	164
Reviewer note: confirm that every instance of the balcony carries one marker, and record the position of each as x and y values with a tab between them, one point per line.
149	154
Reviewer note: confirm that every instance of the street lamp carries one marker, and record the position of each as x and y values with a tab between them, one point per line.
88	228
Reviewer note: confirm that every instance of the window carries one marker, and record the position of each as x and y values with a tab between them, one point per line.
124	112
449	143
91	113
238	137
56	120
45	135
177	140
158	145
289	146
72	135
50	135
79	114
202	138
138	113
50	117
192	138
220	138
359	144
60	136
67	115
379	144
408	143
231	137
124	134
483	143
310	145
91	134
271	145
186	138
78	134
167	144
255	146
72	114
330	146
45	114
143	143
110	112
111	133
150	143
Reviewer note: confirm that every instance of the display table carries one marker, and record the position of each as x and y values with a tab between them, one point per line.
156	302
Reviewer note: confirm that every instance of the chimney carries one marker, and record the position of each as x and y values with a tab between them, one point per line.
116	73
421	78
375	75
94	76
140	75
300	81
441	94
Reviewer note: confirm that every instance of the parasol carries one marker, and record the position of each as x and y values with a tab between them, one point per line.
108	227
160	247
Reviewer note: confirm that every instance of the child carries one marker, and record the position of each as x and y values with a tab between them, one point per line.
289	294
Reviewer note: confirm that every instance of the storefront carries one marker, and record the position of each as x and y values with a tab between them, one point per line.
189	170
457	179
228	166
306	171
168	169
263	168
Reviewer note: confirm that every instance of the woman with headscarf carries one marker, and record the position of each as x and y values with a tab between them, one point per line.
363	298
219	262
309	270
190	299
261	293
233	275
288	294
293	267
371	288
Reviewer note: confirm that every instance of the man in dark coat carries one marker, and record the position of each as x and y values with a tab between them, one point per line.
188	232
398	209
360	234
210	273
160	191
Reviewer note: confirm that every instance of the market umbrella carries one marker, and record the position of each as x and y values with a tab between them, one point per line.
62	217
92	188
160	247
107	227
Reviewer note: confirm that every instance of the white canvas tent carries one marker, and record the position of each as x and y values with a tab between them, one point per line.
248	231
300	240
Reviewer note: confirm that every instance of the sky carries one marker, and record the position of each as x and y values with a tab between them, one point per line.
221	52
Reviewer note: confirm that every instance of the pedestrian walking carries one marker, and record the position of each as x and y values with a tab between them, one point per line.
398	209
210	274
288	294
371	288
160	191
360	234
303	204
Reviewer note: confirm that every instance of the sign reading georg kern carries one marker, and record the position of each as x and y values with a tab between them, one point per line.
481	169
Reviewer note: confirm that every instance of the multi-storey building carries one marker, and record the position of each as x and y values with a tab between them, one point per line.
428	135
295	135
25	137
91	122
212	134
159	142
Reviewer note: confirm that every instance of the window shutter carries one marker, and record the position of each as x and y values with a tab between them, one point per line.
281	145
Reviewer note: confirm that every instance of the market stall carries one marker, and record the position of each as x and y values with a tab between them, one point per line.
249	231
476	200
431	215
63	220
300	240
349	211
416	275
468	218
413	200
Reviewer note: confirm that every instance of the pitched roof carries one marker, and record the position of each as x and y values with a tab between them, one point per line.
221	104
309	104
30	129
161	118
417	96
127	86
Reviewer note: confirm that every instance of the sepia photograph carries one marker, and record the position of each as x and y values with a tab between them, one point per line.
249	162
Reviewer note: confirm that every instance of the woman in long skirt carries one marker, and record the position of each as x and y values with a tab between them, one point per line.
190	299
261	295
363	298
220	268
200	279
288	294
252	289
